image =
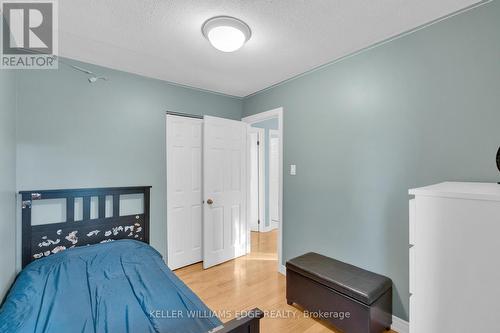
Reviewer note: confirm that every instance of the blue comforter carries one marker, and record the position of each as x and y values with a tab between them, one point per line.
116	287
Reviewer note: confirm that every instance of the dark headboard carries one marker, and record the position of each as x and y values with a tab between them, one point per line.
42	240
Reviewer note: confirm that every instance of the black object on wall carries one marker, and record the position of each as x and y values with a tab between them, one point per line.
45	239
498	160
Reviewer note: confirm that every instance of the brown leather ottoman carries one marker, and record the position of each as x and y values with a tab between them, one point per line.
352	299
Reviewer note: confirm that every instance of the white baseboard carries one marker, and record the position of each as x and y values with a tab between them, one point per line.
282	270
275	224
399	325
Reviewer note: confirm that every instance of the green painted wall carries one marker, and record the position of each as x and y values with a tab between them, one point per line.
267	125
74	134
421	109
7	179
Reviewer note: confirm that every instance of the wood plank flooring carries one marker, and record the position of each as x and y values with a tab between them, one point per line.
248	282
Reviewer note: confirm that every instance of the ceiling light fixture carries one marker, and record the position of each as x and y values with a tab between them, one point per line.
225	33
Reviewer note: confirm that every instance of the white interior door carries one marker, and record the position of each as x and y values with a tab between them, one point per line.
256	156
224	184
184	191
274	178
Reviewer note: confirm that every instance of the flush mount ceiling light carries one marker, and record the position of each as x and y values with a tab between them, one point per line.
225	33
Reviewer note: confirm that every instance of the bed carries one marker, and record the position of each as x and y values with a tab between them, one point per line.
99	274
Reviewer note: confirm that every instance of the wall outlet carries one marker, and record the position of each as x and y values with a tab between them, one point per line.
293	169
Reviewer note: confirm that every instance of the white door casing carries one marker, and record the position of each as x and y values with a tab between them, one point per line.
184	191
274	178
224	178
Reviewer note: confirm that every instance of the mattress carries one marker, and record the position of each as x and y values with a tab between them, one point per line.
119	286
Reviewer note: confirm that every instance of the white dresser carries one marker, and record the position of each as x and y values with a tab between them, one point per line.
455	258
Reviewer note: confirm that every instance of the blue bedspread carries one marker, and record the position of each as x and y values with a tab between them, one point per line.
116	287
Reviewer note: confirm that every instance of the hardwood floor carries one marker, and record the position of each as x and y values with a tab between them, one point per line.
248	282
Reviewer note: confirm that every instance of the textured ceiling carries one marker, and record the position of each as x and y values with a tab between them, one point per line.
162	38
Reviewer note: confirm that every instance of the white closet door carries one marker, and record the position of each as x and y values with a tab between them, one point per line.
224	178
256	184
253	200
274	177
184	190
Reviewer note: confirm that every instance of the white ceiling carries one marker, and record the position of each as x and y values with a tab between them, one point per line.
162	38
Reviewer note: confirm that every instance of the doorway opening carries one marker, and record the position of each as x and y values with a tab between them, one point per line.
265	165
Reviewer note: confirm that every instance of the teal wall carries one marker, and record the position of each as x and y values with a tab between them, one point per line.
7	179
74	134
267	125
421	109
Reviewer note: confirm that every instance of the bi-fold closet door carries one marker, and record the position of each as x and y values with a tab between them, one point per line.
206	190
224	184
184	190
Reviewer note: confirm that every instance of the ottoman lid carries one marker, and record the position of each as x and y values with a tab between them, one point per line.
355	282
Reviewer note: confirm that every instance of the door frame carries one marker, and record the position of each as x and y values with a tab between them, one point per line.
278	112
261	137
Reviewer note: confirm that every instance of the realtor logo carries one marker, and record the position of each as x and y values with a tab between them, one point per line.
29	38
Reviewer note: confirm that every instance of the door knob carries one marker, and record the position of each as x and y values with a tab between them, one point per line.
210	201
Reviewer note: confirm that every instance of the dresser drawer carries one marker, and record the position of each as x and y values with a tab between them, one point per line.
413	317
413	264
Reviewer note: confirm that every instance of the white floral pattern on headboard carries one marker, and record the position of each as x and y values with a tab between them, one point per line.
49	246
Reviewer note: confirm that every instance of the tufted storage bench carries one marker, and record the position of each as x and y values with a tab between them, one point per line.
352	299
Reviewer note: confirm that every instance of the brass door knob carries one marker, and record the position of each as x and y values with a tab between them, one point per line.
210	201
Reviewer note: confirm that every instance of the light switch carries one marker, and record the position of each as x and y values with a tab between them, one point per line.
293	169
